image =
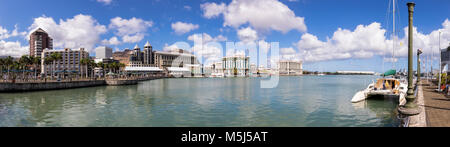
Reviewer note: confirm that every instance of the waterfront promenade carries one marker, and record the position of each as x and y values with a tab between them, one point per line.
437	106
37	85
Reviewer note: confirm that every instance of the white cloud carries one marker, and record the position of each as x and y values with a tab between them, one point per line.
182	28
187	7
170	48
212	10
262	15
111	41
133	39
5	34
247	35
207	47
205	38
81	31
106	2
131	30
287	51
14	49
368	41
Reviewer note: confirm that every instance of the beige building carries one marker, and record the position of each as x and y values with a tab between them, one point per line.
70	62
174	59
290	68
236	66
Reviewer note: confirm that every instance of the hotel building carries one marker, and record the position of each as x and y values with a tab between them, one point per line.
70	62
39	40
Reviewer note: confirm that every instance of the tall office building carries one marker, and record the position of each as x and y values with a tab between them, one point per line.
40	40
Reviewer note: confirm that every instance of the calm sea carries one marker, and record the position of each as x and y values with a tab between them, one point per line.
201	102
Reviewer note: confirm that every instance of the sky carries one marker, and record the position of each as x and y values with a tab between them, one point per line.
327	35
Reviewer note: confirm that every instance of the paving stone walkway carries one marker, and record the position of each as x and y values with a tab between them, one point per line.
437	107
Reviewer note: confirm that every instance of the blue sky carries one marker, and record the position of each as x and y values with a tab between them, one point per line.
322	19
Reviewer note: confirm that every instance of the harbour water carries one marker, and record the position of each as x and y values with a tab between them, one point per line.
203	102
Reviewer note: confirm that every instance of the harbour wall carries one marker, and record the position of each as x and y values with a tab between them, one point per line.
22	87
121	82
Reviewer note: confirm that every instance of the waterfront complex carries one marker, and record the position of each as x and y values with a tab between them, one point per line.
39	40
70	61
174	62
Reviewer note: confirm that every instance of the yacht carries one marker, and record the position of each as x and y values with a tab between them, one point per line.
390	86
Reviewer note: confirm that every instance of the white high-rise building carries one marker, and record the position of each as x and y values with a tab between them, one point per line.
103	52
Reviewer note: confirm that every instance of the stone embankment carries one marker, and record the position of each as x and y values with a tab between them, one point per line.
22	87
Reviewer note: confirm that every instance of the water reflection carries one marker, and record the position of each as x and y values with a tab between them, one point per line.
297	101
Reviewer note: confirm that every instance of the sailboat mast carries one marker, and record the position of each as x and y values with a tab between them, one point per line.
393	34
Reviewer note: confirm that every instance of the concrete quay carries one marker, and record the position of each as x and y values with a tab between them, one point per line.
55	85
25	87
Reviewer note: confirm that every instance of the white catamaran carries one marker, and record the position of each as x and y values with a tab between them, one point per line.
386	87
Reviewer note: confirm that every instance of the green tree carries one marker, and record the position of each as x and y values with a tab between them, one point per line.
8	61
24	62
121	67
101	65
86	62
48	61
2	64
36	62
55	57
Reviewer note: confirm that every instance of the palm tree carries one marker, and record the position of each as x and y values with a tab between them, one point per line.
85	63
93	65
24	62
2	63
48	61
16	66
8	61
35	61
101	65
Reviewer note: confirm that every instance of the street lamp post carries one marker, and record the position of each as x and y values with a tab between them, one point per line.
419	51
440	68
410	108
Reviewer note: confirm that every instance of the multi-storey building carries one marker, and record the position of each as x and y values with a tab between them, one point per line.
177	58
39	40
236	66
69	63
141	58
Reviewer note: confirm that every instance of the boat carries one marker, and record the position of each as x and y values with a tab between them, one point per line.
389	86
392	84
